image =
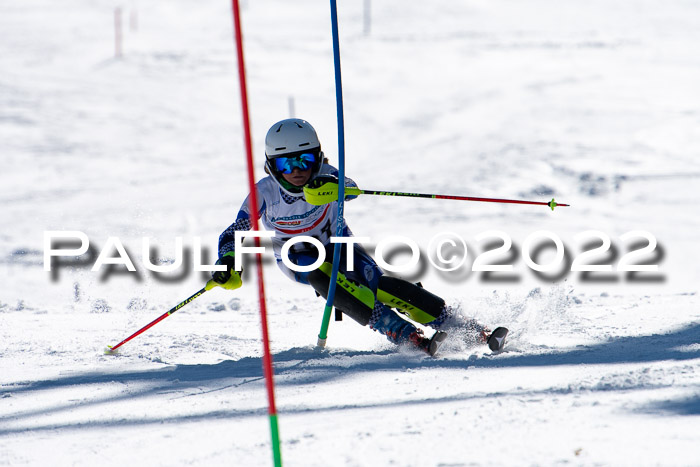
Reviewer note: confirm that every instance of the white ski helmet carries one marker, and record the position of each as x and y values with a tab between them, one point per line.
289	138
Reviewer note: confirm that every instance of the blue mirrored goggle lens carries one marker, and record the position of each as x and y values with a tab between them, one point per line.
286	165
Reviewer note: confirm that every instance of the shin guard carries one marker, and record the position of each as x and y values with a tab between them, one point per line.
353	299
416	302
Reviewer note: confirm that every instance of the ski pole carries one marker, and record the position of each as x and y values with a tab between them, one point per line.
320	197
552	204
111	350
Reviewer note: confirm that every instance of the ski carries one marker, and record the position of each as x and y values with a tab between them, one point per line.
436	341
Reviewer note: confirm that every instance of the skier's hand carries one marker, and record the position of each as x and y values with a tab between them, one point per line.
321	190
229	279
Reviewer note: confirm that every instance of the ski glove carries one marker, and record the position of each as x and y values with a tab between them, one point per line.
321	190
229	279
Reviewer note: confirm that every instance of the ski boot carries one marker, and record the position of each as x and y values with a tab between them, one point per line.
431	345
399	331
472	331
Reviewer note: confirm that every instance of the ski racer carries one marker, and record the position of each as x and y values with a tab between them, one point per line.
297	169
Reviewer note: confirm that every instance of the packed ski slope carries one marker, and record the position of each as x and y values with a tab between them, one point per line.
594	103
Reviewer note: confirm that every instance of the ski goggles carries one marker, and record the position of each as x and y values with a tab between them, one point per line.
303	162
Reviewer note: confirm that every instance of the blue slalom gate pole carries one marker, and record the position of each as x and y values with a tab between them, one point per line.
323	335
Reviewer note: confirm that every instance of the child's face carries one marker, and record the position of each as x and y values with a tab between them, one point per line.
298	177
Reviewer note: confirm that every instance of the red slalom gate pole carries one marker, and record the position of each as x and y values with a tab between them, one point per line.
267	357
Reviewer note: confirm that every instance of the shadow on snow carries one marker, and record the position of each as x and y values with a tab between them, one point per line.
300	366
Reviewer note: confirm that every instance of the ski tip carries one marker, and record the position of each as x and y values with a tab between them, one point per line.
497	339
110	351
436	341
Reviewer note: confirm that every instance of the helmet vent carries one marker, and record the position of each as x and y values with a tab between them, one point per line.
281	148
304	144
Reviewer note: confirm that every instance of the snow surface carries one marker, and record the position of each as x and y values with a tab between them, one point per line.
594	103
